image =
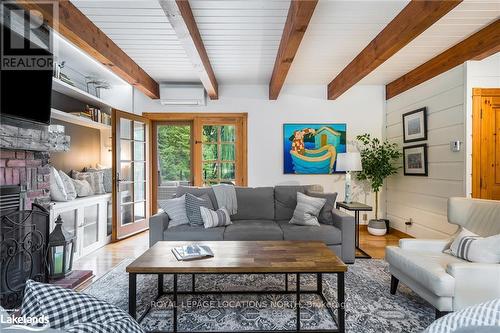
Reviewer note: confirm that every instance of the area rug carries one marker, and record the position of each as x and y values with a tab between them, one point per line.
369	306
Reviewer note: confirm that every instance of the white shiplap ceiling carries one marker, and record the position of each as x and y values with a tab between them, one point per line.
338	31
141	29
242	37
464	20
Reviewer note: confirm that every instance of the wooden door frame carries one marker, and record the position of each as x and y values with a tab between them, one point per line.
115	137
195	119
477	95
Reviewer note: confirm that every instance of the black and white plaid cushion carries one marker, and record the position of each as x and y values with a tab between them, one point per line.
73	311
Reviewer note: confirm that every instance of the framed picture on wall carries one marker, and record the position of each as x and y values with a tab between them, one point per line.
310	149
415	160
415	125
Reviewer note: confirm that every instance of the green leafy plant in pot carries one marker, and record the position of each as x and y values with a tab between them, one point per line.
378	160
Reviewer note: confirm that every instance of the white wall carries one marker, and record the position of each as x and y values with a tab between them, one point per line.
423	199
361	108
479	74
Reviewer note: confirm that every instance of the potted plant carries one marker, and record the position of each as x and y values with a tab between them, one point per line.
378	160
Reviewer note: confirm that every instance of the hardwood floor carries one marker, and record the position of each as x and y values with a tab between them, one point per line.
375	245
104	259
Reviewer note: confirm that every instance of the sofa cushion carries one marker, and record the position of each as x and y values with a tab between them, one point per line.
285	200
328	234
253	230
428	268
325	215
254	203
197	191
188	232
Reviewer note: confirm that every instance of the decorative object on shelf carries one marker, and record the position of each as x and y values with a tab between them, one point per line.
60	251
64	78
415	160
415	125
349	162
97	84
312	148
58	66
378	158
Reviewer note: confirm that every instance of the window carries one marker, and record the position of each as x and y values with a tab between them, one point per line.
197	149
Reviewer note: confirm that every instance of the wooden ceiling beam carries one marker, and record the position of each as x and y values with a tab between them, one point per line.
181	18
483	43
78	29
414	19
299	15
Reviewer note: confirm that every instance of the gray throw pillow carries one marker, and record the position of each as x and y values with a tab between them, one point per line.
82	188
307	210
107	178
325	215
176	211
193	204
95	179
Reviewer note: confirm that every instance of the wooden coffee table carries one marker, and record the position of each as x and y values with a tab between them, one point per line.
244	257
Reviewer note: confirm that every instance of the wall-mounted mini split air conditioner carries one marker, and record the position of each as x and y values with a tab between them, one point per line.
182	94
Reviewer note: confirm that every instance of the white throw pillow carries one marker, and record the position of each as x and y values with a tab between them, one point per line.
215	218
469	246
307	210
57	191
69	187
176	211
95	179
82	188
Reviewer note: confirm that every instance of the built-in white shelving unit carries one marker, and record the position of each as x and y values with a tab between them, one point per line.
77	120
78	94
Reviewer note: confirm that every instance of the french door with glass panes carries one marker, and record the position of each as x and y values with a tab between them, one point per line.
131	188
220	148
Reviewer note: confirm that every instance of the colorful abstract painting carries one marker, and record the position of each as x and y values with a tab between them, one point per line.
312	148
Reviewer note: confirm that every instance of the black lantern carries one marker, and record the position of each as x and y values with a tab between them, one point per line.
60	251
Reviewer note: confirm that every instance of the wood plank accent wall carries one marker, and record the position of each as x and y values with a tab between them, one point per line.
424	199
78	29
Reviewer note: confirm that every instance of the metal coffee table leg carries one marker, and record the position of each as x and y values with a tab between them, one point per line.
132	294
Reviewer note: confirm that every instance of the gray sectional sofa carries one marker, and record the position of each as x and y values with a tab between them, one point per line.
263	214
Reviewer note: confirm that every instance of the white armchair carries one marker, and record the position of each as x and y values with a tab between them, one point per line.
445	281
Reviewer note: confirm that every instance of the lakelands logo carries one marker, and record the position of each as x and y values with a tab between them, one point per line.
26	43
34	324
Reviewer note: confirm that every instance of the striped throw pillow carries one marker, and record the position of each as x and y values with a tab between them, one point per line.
469	246
307	210
193	205
215	218
176	211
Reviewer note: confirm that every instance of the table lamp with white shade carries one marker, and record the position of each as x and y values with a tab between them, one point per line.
348	162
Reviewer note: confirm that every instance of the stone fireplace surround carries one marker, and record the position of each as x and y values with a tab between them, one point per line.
25	158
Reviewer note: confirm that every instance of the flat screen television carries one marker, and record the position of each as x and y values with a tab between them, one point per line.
24	93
